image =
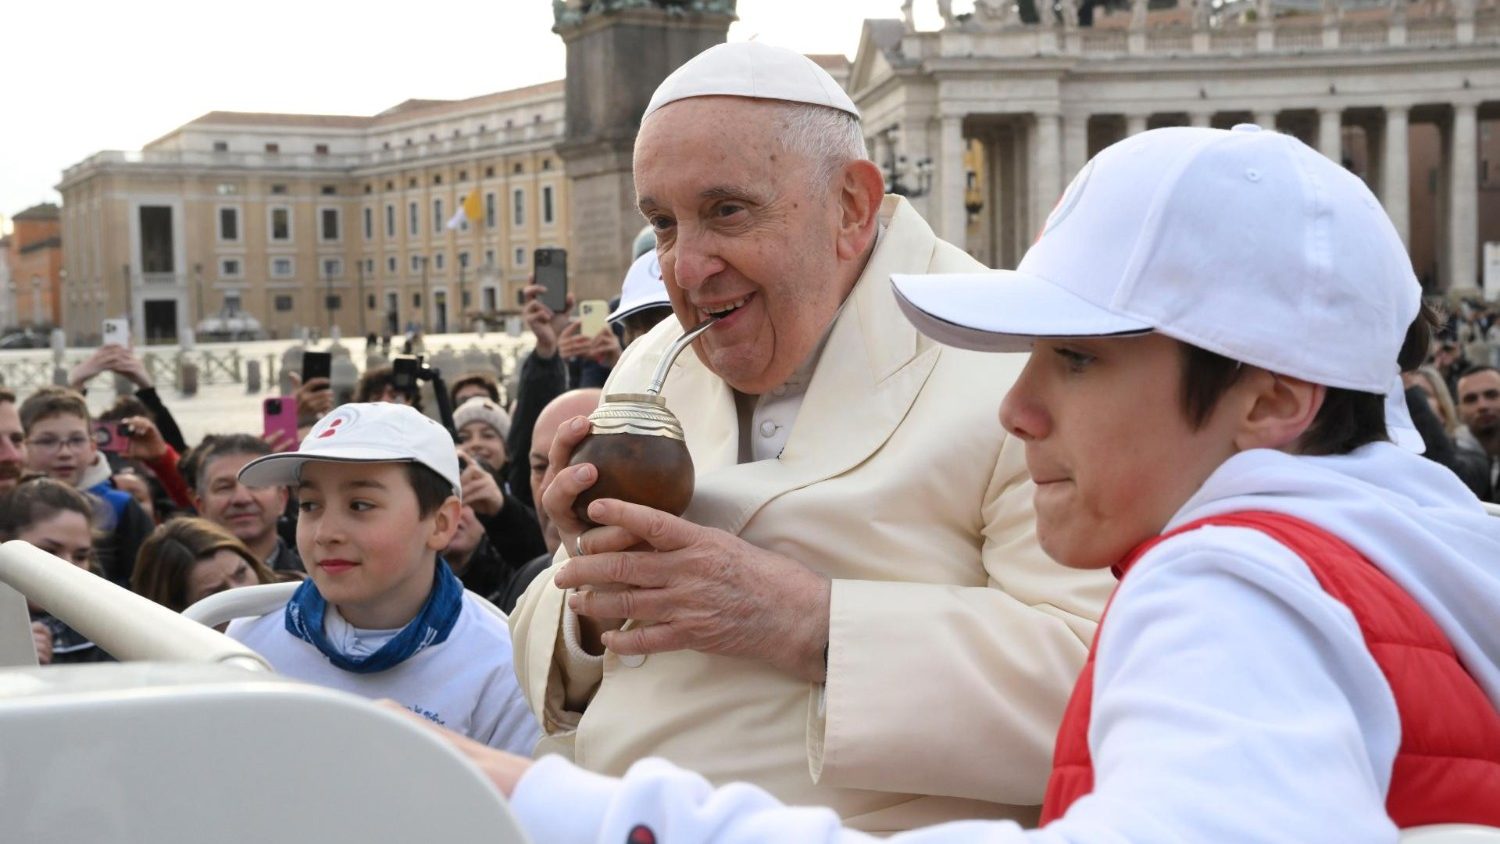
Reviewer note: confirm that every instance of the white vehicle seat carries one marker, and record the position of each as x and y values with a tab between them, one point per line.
1451	833
251	601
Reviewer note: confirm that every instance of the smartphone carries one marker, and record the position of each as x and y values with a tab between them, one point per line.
116	331
280	415
405	370
316	365
594	314
109	437
551	269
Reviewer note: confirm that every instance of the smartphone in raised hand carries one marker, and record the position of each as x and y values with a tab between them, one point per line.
279	414
594	314
550	268
116	332
316	365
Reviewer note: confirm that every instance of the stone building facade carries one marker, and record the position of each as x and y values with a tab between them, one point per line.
34	273
987	118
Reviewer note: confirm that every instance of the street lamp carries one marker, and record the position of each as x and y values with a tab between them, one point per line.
425	302
361	303
894	167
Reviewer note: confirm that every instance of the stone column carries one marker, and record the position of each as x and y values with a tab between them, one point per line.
1264	119
1046	168
951	175
1394	193
1075	145
1463	199
1330	134
1134	124
1200	119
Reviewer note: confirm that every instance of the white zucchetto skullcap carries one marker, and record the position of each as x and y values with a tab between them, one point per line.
752	69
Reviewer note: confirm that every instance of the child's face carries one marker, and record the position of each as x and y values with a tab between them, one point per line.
364	544
1109	444
61	446
480	440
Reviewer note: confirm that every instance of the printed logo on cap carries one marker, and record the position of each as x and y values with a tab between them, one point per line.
1068	201
334	421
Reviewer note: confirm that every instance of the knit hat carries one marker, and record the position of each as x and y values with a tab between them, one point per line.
481	409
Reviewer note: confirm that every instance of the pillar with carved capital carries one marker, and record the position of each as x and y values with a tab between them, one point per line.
1075	144
952	175
1046	168
1134	124
1463	199
1395	170
1330	134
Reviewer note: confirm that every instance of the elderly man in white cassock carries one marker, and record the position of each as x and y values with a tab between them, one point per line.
854	611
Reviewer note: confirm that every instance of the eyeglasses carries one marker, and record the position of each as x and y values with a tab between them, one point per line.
55	444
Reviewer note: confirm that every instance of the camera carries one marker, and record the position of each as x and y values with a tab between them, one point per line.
273	406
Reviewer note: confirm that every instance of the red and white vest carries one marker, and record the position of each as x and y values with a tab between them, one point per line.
1447	768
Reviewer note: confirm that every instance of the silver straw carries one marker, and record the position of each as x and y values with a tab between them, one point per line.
660	377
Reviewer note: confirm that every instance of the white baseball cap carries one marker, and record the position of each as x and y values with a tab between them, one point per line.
1244	242
751	69
375	432
643	288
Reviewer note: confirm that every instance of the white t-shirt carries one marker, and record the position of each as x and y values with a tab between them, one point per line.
467	683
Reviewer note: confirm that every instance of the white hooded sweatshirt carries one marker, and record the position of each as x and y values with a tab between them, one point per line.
1234	700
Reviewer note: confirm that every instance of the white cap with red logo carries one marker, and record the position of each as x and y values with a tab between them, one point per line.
377	432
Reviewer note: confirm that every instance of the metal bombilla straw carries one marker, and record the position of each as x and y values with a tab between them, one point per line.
665	364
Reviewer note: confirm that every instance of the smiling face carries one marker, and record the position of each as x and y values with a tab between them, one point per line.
1109	444
367	548
745	229
250	513
480	440
63	534
61	447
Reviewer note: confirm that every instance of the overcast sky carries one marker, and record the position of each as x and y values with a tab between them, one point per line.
93	75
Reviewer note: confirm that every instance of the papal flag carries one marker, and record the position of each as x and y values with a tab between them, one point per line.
468	211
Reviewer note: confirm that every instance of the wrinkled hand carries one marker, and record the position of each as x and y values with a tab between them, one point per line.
146	442
480	490
314	399
605	348
41	637
699	589
543	322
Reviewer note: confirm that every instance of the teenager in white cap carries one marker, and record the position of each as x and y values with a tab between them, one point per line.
643	299
381	615
857	571
1303	643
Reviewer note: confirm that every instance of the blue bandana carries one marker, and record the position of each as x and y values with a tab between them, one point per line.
304	619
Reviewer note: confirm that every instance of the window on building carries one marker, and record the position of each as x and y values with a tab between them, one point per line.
413	222
547	204
390	220
408	141
333	268
370	301
463	175
431	136
369	223
229	224
518	207
416	263
333	302
229	268
221	146
328	224
369	266
438	260
517	168
385	144
489	258
437	178
546	164
489	210
273	148
489	172
489	298
437	216
320	149
463	260
330	190
232	302
412	182
369	188
390	264
283	303
416	300
278	189
389	185
226	189
281	267
520	256
281	223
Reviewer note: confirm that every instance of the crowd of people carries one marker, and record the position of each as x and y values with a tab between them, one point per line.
1179	573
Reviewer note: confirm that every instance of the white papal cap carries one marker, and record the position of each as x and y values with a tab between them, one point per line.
752	69
376	432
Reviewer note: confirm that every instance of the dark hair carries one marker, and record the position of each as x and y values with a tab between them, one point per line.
1347	420
644	320
53	401
372	385
483	380
220	445
188	465
1473	370
7	397
431	488
37	499
126	407
167	557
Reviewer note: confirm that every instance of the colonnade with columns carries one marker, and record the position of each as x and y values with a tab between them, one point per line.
1029	157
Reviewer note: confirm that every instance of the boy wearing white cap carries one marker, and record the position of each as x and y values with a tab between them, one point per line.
381	615
1302	645
643	299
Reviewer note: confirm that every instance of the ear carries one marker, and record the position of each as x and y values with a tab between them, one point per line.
860	189
1280	410
444	524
